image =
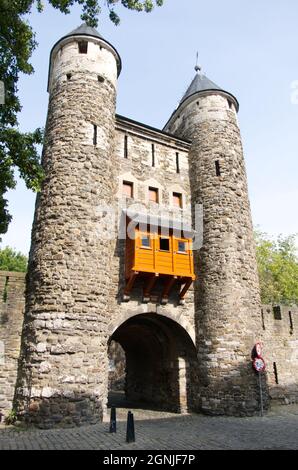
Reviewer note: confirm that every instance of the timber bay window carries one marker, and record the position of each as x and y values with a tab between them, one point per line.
127	189
161	263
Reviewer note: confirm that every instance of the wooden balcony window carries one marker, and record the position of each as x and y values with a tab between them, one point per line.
146	241
164	244
154	256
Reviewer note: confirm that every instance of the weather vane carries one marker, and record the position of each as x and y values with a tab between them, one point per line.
198	68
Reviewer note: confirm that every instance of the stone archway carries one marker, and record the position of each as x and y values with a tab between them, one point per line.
161	363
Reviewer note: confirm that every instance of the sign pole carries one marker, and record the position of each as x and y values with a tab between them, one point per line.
261	392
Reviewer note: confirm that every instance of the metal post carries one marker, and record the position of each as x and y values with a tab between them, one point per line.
261	392
113	422
130	429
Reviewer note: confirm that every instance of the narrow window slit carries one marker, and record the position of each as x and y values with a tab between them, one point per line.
291	323
125	146
153	155
94	134
217	168
263	319
177	163
275	372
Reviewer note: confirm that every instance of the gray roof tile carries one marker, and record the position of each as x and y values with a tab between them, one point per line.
200	83
85	30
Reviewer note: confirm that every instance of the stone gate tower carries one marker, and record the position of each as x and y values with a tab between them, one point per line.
63	367
185	348
227	299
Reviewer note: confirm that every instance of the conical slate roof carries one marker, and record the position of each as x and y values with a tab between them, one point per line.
200	83
84	30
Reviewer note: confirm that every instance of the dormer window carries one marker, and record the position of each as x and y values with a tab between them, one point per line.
83	47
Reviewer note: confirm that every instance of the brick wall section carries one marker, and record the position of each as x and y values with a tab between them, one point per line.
12	301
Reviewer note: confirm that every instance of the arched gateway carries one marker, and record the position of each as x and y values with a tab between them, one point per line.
160	363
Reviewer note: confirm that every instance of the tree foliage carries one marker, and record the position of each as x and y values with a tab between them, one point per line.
17	42
278	269
11	260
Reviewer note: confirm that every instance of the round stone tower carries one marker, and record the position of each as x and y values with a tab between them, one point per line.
63	368
227	298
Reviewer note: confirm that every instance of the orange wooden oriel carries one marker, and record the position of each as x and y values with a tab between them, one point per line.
161	256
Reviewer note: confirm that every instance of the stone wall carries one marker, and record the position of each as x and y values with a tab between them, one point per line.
137	168
12	302
227	300
279	338
63	377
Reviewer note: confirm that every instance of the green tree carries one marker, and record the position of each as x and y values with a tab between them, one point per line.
11	260
19	151
278	269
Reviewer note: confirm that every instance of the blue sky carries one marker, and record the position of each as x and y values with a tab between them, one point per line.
249	48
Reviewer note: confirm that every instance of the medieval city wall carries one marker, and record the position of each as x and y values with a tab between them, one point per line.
278	334
12	303
279	337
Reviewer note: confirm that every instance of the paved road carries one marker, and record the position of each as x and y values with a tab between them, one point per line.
166	431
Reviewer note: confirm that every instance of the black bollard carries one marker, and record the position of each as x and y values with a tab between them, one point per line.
130	429
113	422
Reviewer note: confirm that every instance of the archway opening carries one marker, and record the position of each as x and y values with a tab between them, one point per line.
153	365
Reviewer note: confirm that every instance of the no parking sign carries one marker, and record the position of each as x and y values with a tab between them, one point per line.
259	364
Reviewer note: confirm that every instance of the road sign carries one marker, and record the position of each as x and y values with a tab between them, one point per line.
259	364
258	349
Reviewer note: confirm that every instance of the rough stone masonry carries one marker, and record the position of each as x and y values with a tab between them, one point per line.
179	356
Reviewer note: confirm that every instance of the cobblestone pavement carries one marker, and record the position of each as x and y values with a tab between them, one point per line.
167	431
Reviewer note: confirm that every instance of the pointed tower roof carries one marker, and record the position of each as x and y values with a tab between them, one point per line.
200	83
84	30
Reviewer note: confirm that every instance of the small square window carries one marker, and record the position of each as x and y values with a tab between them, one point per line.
153	194
181	247
177	200
83	47
164	244
145	241
127	189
